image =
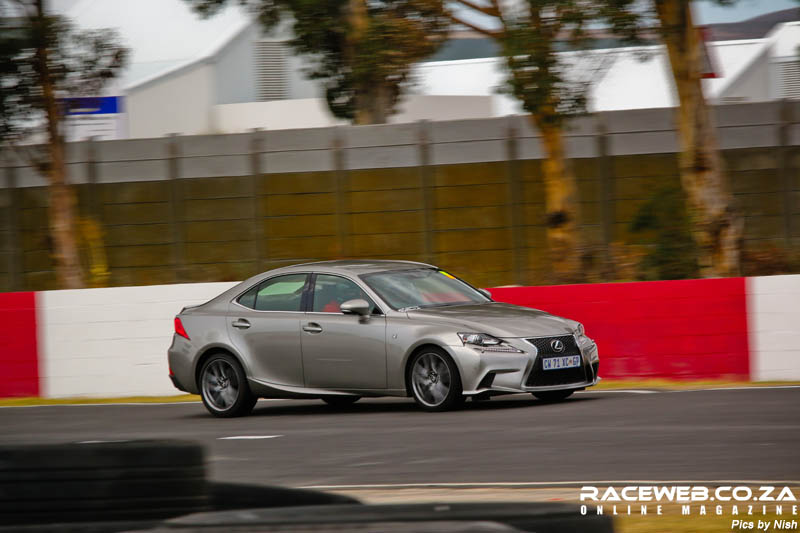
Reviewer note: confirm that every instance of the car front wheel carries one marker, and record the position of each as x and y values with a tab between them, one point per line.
553	395
223	387
435	381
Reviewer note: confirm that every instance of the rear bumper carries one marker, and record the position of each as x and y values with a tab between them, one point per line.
177	384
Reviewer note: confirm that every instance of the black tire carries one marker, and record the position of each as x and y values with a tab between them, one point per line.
423	378
552	396
223	387
340	401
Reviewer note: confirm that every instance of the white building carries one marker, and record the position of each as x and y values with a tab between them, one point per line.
223	75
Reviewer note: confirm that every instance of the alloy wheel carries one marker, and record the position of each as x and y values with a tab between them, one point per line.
431	379
220	385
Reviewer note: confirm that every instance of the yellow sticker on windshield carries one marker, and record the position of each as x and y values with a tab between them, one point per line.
446	274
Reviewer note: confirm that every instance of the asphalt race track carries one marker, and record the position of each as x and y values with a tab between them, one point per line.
747	435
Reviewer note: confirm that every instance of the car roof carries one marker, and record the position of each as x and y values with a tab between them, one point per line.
356	266
352	267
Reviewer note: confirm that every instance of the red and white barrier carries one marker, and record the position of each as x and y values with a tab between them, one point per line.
773	305
113	342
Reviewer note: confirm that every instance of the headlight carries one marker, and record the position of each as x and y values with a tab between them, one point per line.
579	330
486	343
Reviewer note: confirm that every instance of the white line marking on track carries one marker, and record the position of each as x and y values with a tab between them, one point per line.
249	437
536	484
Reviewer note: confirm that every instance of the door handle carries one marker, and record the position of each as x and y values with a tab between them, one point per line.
312	327
241	323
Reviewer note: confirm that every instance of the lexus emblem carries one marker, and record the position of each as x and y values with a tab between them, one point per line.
557	345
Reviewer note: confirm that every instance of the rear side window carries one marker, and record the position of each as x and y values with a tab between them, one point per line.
281	293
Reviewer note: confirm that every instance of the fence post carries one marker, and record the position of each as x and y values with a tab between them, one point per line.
176	214
514	200
606	191
13	249
340	175
256	148
426	180
784	174
91	179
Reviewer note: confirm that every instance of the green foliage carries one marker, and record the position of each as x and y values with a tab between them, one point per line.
80	63
363	50
663	225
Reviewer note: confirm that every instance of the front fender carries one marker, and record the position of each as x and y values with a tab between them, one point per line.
404	338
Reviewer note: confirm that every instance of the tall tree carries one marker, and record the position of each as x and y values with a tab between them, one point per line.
532	33
43	59
363	50
716	227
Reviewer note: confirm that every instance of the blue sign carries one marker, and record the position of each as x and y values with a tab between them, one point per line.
91	105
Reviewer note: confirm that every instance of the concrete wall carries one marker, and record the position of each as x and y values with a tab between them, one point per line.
274	115
773	322
314	112
180	103
222	207
111	342
234	69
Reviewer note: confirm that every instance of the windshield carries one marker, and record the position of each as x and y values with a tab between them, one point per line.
422	287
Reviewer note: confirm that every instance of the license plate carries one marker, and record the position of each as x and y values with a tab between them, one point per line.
557	363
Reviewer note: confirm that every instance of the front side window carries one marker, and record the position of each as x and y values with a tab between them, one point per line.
281	293
422	287
330	292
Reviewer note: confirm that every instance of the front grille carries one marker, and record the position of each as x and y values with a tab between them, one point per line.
539	377
545	349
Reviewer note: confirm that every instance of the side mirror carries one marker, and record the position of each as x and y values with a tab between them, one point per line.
355	307
485	293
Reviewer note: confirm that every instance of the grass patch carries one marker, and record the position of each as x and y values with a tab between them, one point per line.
693	524
21	402
669	384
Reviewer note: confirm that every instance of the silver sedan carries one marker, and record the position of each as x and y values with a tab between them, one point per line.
340	330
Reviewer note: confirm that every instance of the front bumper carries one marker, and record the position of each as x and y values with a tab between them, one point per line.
513	372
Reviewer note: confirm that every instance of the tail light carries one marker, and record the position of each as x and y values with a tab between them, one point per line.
179	329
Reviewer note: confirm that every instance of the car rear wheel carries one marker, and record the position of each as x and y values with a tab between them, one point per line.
435	382
553	395
340	401
223	387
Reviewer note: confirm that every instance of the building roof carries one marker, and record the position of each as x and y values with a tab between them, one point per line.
163	35
631	78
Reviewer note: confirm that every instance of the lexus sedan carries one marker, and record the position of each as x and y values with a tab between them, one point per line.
340	330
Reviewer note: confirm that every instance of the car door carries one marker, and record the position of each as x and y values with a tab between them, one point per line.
264	324
342	351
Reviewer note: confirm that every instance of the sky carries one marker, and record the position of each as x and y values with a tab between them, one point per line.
709	12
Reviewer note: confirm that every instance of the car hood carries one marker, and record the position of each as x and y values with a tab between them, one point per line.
498	319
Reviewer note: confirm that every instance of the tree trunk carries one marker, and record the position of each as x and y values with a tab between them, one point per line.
716	227
561	206
62	197
372	103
